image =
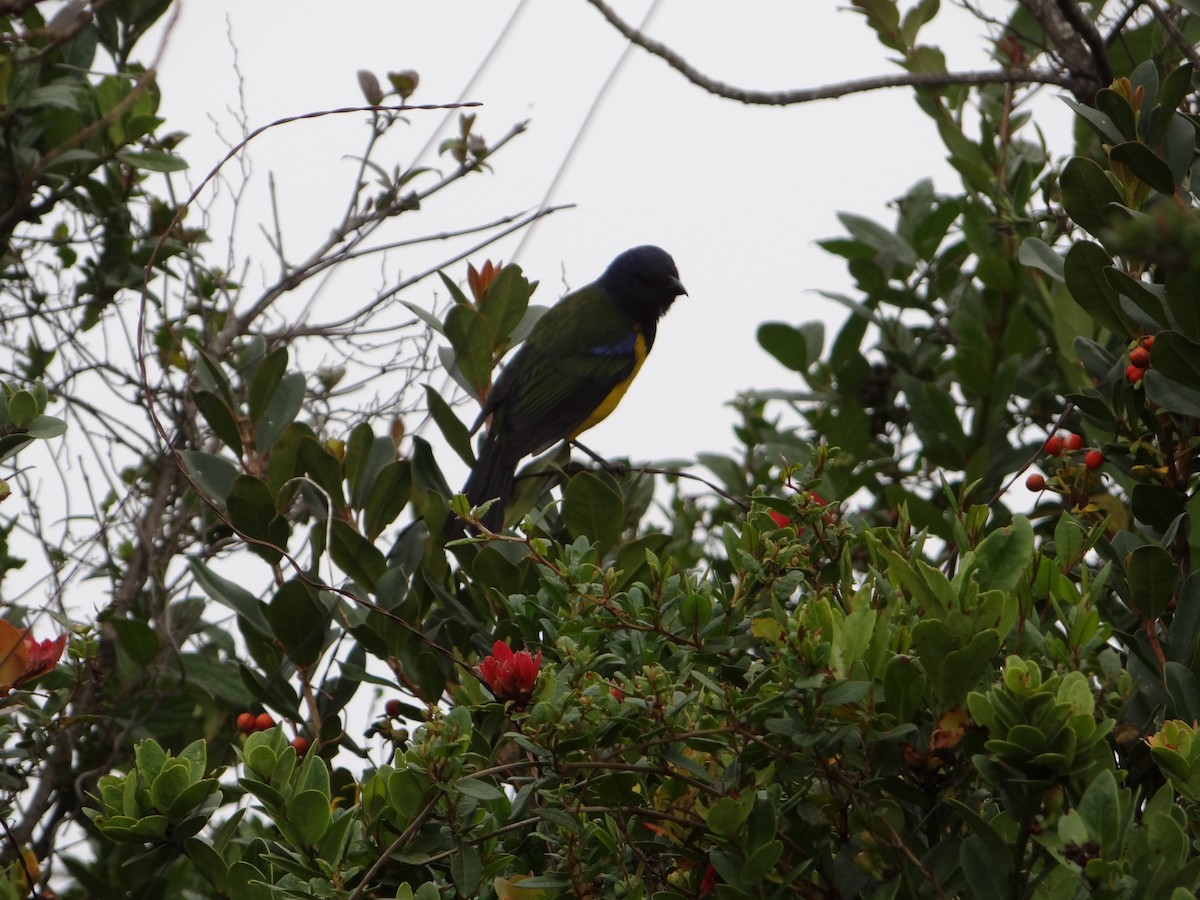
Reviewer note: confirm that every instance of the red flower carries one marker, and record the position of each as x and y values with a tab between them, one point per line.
508	675
780	519
22	659
708	882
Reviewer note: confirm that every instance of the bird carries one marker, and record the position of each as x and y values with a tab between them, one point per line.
572	370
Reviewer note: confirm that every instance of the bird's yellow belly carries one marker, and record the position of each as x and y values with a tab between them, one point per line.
600	413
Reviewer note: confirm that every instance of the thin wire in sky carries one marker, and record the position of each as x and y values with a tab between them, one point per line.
584	127
476	77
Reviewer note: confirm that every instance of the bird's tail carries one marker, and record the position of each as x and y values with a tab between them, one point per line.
491	477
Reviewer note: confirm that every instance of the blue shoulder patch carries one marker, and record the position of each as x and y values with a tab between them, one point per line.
626	347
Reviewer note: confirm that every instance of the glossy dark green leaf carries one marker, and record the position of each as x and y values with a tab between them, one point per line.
251	509
1157	505
1149	297
387	496
219	418
1174	88
1084	273
1003	558
592	509
268	375
1183	299
472	341
451	427
153	160
1119	112
1171	395
356	556
505	302
358	455
934	415
280	411
214	475
323	468
1087	195
1037	254
1151	576
22	408
1146	165
137	639
1184	688
1177	358
793	346
230	594
1097	120
299	622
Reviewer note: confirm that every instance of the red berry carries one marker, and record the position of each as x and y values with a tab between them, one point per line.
779	518
245	722
1093	459
1147	342
1140	357
392	708
1072	442
1053	445
1134	375
263	722
1036	482
300	742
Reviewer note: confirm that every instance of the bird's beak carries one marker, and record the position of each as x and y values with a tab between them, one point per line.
679	288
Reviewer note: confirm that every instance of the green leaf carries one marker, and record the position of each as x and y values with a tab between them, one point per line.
1152	576
505	302
152	160
172	780
1084	273
1099	122
472	341
903	687
219	418
793	346
592	509
1183	299
1004	557
1037	254
1176	358
1087	195
451	427
1100	809
308	816
22	408
299	622
389	494
232	595
268	375
1146	165
214	475
1119	112
477	789
252	511
356	556
280	411
725	817
137	639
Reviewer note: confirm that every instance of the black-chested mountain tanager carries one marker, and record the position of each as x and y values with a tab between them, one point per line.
572	370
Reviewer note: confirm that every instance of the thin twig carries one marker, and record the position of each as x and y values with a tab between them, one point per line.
828	92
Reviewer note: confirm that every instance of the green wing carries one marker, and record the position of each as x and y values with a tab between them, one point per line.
578	352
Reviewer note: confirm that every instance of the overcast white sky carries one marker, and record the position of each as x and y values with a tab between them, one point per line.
737	194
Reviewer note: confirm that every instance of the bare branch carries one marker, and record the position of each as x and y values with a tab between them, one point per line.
1176	35
827	92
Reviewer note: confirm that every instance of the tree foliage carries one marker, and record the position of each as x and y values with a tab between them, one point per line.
932	631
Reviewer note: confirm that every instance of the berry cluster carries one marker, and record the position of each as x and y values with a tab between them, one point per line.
1070	478
1139	359
248	723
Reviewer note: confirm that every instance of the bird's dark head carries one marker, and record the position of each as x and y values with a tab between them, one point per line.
643	280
